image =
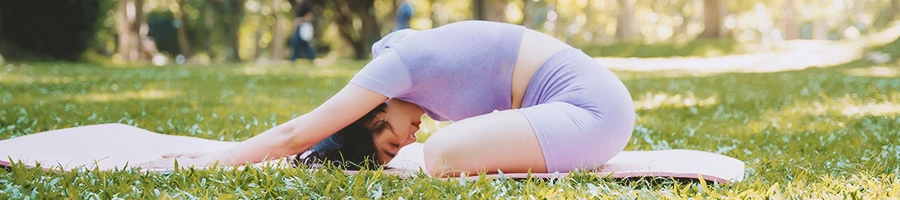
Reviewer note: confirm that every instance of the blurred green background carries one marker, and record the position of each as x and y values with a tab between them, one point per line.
218	31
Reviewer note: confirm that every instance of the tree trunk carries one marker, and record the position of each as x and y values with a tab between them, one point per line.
625	24
791	29
478	9
895	7
208	15
391	20
497	11
526	13
819	29
370	29
277	32
588	24
368	33
435	19
231	36
712	19
236	17
129	17
233	11
183	42
491	10
343	17
258	36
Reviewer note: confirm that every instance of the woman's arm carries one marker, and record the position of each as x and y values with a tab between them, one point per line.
298	134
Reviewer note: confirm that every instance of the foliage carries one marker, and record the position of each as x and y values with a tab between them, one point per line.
49	30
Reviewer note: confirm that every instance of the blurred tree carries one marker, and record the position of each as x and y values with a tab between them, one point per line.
161	28
230	13
181	25
491	10
38	29
819	27
130	19
625	23
893	9
478	9
178	27
713	13
278	36
527	9
356	23
887	13
394	4
791	28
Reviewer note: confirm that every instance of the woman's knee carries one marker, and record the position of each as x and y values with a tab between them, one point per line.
440	156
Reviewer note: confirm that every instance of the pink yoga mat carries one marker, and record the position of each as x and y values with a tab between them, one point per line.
115	146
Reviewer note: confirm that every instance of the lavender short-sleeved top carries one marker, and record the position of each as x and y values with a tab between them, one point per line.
453	72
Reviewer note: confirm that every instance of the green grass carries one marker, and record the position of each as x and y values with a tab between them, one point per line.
817	133
698	48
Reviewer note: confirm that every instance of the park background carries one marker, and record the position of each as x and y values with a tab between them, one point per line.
806	93
205	32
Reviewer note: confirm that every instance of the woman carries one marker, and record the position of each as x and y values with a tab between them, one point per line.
520	100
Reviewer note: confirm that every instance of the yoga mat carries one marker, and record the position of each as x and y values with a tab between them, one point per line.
115	146
678	163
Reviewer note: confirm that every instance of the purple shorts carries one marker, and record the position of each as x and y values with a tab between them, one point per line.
581	112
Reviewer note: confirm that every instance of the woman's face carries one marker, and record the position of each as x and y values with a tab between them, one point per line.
403	119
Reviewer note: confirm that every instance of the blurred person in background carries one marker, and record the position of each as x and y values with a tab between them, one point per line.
301	40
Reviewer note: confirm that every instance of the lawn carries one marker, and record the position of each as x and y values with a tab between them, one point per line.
816	133
697	48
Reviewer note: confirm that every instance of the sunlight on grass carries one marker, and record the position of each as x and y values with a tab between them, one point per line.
650	101
330	73
822	115
874	71
44	79
871	109
148	94
849	105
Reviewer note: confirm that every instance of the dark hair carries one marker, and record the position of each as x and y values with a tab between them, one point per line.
352	147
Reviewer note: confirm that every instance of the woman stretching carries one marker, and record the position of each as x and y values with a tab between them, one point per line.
520	100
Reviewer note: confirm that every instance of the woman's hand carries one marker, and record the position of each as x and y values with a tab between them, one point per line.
167	162
187	155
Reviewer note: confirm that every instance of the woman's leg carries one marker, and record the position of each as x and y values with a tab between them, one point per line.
549	137
305	50
501	140
310	51
295	45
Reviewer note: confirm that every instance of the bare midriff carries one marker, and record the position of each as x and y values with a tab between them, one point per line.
534	50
